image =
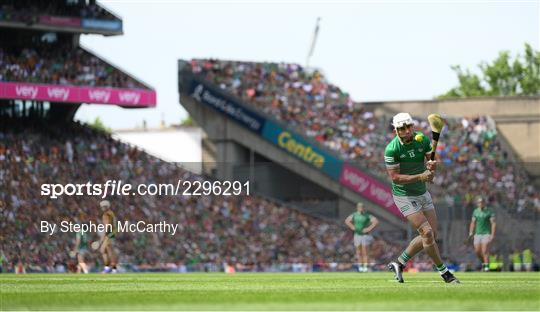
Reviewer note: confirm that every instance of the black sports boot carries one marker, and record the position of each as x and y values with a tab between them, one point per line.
448	277
397	268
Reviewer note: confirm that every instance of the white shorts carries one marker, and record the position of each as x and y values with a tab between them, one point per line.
411	204
481	239
362	240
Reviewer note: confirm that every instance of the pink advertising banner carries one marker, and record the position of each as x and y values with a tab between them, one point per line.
72	94
370	188
60	20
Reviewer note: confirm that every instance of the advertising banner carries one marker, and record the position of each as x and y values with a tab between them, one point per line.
370	188
73	94
237	112
60	21
302	149
124	97
115	25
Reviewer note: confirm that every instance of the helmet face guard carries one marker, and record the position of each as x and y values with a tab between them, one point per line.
403	124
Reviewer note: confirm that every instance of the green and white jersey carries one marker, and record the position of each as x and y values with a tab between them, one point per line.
409	158
483	222
360	222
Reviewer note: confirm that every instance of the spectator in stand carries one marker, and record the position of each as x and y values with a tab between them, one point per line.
59	63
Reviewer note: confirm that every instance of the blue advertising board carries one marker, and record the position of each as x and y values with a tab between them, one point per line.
237	112
287	140
114	25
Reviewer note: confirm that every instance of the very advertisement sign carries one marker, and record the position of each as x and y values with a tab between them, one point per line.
369	187
74	94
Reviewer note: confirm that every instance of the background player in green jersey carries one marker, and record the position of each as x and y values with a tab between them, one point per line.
362	223
81	248
483	227
405	158
527	260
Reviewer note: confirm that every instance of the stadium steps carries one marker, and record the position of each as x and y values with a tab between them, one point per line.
208	157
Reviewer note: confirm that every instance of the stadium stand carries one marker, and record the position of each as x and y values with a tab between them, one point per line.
60	63
28	10
252	233
40	57
470	153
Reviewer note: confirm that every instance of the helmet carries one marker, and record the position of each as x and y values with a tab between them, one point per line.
401	120
105	204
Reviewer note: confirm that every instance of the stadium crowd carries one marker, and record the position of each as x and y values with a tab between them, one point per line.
28	11
251	233
471	153
60	63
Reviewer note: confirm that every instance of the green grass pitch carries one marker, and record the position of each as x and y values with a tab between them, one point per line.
269	291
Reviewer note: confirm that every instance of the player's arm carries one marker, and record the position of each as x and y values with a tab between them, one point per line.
471	227
430	164
493	226
101	239
392	167
372	224
77	243
105	221
407	179
348	222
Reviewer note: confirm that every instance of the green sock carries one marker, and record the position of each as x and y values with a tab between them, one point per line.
404	258
442	268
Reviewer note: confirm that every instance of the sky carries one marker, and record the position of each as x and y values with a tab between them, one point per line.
375	50
188	151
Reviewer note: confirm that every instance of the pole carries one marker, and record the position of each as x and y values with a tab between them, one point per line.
313	42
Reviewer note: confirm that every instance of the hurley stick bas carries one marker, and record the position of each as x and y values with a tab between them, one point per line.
436	122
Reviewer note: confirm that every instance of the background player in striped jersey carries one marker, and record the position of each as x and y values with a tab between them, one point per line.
483	228
106	242
362	223
405	158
